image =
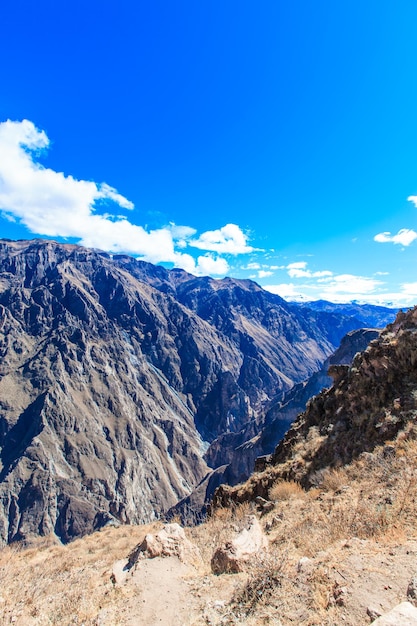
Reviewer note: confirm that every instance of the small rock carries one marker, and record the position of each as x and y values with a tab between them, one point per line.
412	591
120	571
219	604
264	506
339	595
303	563
275	521
388	451
373	613
169	541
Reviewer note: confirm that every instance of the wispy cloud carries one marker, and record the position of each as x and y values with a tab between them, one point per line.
287	291
299	270
347	286
404	237
57	205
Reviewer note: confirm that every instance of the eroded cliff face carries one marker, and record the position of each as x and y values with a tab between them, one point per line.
116	375
92	423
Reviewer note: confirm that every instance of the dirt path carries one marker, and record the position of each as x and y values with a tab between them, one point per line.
163	594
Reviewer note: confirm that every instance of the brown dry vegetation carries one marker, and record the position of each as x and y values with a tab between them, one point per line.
49	583
347	543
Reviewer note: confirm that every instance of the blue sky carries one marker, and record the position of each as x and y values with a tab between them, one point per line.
273	141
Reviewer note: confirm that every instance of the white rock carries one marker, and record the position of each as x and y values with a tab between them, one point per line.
232	556
404	614
119	571
303	563
169	541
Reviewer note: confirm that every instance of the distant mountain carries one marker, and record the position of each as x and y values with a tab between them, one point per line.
116	376
368	315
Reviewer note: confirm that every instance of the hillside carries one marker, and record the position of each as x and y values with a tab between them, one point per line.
343	552
233	455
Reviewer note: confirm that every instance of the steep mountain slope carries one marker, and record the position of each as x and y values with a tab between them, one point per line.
371	403
233	455
280	415
116	375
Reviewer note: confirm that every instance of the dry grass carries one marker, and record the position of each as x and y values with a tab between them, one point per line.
55	584
331	479
285	490
265	577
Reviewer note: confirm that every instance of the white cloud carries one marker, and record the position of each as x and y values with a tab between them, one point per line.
336	288
404	237
344	285
56	205
299	270
181	232
264	273
229	239
413	199
295	273
299	265
207	265
409	289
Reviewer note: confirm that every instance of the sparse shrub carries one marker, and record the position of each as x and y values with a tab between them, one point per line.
331	479
285	490
265	576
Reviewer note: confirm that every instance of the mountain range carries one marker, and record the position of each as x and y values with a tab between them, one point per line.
120	381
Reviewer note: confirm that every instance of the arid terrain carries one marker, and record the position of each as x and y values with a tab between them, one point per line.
342	552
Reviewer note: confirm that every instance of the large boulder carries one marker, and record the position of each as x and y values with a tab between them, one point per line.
169	541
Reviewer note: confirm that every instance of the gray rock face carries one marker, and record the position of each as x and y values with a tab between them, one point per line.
113	372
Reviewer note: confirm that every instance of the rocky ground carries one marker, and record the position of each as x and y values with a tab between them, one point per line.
343	552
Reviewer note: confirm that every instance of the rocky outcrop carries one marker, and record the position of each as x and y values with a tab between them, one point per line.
115	376
404	614
241	449
169	541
